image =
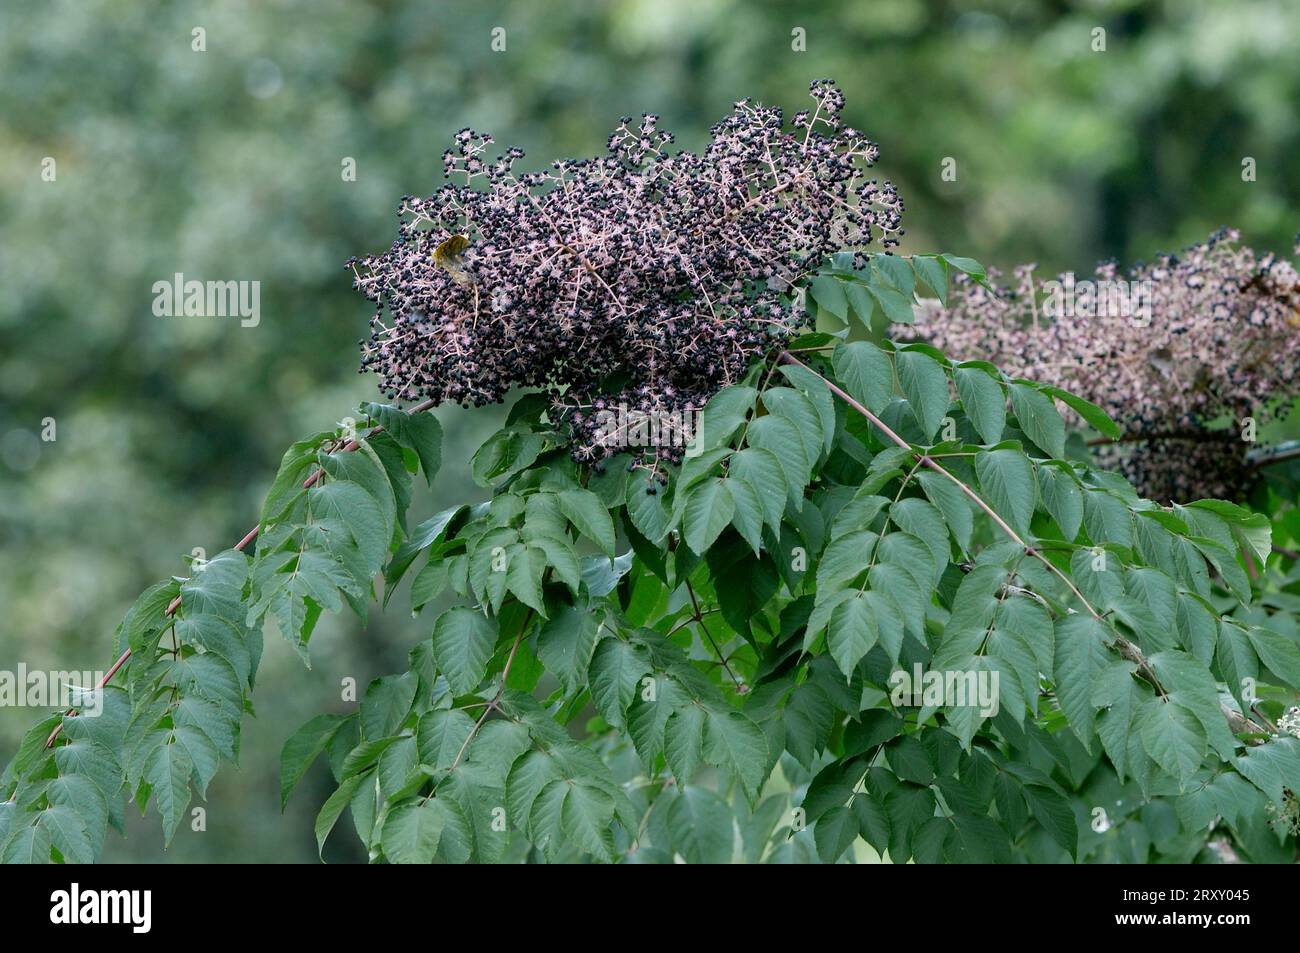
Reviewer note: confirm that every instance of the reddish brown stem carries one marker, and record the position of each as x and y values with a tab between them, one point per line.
1237	721
1280	457
1125	647
931	463
495	703
1195	436
251	535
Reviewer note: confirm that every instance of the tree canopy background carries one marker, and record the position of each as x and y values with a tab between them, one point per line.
226	165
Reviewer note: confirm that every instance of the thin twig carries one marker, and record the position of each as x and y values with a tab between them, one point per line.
699	617
495	703
251	535
1279	454
1126	648
1194	436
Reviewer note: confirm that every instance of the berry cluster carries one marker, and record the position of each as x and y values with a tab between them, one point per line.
639	278
1214	341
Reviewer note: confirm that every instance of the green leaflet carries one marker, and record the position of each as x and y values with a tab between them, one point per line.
504	454
167	771
462	644
302	748
724	414
413	831
617	668
585	510
420	432
982	399
566	642
952	503
733	741
866	373
386	703
852	631
782	438
334	807
1079	654
701	826
925	383
1090	412
836	831
1038	418
1279	653
764	471
829	294
1173	736
1062	497
807	421
709	508
810	386
896	306
1006	478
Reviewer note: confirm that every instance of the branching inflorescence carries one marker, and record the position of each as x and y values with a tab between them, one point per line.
639	279
1189	342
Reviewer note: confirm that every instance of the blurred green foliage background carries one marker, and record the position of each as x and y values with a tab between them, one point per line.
226	165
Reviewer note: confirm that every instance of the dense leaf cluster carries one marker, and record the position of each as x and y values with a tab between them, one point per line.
730	644
192	645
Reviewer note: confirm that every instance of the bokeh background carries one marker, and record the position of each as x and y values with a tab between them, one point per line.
226	165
